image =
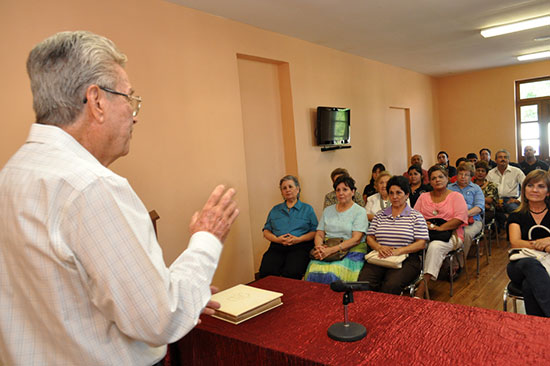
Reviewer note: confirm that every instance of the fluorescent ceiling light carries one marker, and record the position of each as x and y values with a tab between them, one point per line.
516	27
534	56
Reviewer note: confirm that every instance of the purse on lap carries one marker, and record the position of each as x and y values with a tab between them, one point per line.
394	261
521	253
339	255
439	235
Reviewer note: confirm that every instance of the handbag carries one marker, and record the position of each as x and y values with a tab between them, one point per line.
439	235
339	255
521	253
394	261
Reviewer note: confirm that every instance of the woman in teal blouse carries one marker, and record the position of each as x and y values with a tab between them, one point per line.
290	227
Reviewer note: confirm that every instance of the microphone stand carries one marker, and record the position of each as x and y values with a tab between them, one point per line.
347	331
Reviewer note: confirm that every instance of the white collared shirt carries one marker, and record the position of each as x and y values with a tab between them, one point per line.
82	277
509	183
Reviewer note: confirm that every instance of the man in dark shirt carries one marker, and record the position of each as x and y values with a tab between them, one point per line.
485	154
531	162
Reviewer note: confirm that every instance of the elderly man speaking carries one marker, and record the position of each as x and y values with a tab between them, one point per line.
82	279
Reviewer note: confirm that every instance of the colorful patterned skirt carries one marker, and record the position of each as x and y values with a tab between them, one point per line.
346	269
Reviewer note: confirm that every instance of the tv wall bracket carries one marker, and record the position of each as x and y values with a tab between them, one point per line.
335	147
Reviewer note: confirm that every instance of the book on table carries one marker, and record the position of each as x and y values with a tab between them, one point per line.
242	302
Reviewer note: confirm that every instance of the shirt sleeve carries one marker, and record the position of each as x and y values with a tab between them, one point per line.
459	207
360	222
268	225
479	198
420	228
374	225
120	262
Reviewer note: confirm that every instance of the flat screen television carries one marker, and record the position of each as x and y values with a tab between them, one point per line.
333	126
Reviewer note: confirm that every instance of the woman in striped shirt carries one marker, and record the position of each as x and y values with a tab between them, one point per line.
397	229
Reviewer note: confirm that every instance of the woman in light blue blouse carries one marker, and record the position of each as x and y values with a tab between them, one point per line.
346	222
290	227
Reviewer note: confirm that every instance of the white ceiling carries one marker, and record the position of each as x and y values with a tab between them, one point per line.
434	37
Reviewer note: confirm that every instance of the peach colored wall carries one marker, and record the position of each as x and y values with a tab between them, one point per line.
190	133
477	109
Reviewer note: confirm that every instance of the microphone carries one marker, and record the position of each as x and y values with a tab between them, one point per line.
340	286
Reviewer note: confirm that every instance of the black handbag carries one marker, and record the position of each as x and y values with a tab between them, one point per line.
439	235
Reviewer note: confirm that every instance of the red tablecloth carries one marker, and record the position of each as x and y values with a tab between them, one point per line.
401	331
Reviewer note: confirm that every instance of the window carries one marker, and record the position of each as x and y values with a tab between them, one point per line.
533	116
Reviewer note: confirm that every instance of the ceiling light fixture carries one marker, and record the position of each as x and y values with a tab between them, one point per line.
534	56
516	27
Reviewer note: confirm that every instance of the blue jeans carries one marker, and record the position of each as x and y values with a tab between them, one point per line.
531	276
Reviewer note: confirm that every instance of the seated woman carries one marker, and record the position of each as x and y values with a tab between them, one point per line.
474	200
330	197
415	181
369	188
380	200
396	230
346	223
489	189
290	227
450	207
529	274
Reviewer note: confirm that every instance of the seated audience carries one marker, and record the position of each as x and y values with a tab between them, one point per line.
529	274
471	157
447	233
330	198
344	225
369	188
443	159
489	189
475	200
415	181
417	160
396	230
290	227
531	162
485	155
380	200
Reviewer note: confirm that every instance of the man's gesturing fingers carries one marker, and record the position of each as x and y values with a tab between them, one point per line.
217	215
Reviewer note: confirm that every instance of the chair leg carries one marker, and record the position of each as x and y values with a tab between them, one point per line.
477	257
505	300
515	305
451	273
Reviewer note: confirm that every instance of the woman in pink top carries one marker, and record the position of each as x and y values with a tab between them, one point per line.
445	204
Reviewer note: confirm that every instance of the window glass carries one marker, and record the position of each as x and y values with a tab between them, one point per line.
529	131
529	113
535	89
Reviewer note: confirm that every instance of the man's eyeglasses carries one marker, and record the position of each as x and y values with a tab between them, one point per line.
134	101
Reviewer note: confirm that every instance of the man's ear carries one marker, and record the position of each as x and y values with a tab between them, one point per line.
95	104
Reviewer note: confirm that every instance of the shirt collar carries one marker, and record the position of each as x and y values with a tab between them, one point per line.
59	138
298	205
406	210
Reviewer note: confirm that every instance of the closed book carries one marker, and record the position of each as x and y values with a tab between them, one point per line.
242	302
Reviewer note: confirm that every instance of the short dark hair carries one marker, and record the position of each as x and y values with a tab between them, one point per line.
338	171
443	152
460	160
347	180
471	156
485	148
401	182
483	165
438	168
415	167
